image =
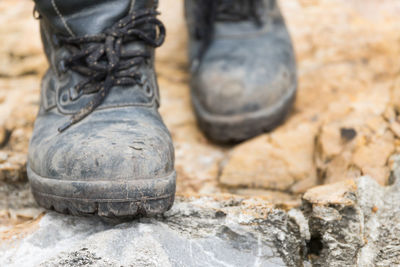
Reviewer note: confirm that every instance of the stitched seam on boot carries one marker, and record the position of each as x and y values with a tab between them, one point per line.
53	2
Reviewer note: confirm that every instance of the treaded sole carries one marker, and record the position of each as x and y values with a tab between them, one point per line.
109	199
238	128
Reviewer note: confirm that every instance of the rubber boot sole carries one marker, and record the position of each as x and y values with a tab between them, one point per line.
237	128
110	199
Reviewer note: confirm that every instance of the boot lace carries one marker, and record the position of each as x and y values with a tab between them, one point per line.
104	63
211	11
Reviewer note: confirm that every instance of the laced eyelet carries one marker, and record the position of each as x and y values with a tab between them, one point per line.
148	90
73	94
99	58
64	98
62	66
36	14
55	40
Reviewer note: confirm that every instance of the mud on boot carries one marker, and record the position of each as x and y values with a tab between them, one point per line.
99	145
243	71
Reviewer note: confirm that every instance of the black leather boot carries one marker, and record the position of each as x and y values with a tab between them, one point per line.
99	145
243	67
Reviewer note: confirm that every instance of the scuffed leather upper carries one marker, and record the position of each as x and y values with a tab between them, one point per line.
80	17
246	67
111	144
124	137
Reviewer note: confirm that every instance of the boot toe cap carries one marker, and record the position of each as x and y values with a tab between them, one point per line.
241	76
115	144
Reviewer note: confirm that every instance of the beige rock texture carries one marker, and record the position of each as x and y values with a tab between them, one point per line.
345	123
354	222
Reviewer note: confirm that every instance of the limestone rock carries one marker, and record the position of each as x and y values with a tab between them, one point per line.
354	223
197	232
19	55
275	161
13	168
18	110
334	194
351	223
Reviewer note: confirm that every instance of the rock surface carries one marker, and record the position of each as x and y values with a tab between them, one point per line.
345	125
196	232
352	223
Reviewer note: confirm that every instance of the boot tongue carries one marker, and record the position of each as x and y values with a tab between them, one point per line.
87	17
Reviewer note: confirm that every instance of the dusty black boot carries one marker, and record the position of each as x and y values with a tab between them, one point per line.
99	145
243	67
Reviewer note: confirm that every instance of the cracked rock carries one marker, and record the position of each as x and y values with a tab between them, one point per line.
196	232
354	223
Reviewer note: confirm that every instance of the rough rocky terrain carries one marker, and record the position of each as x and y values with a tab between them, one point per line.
321	189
